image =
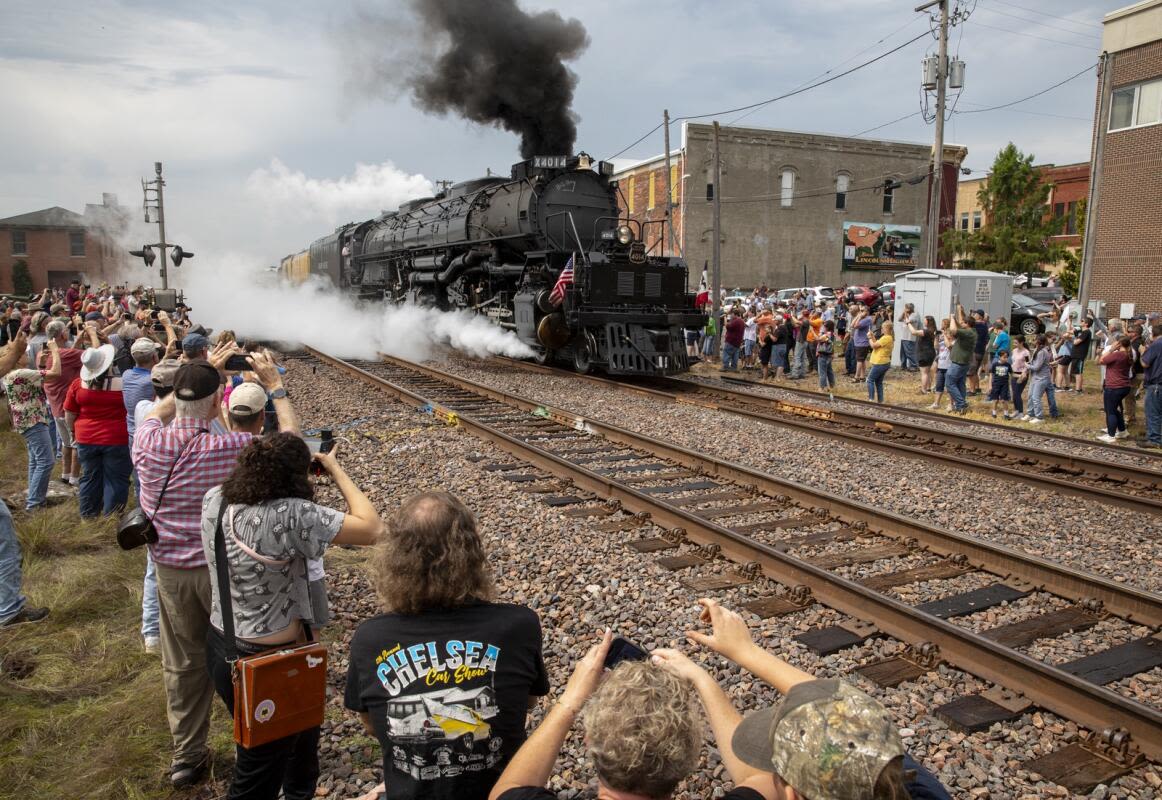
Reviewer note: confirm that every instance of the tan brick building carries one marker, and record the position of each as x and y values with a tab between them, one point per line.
786	196
58	245
1127	239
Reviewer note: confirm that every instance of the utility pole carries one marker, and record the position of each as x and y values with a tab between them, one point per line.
669	184
156	203
161	225
1105	67
938	147
715	298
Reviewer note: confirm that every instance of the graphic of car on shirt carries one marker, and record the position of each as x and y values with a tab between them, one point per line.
455	716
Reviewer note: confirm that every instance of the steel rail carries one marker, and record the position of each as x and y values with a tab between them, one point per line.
870	431
1049	687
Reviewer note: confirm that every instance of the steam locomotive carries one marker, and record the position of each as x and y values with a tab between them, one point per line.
506	248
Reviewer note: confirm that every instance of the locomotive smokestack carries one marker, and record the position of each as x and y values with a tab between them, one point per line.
492	63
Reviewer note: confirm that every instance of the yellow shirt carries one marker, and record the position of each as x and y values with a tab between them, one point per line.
882	351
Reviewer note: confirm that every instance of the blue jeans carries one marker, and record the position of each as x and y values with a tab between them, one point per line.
826	373
729	356
1154	413
149	610
875	382
708	345
779	357
1039	386
11	600
1016	387
849	358
954	381
1112	400
908	355
799	368
105	483
41	459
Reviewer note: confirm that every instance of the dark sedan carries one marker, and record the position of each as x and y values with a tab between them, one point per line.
1024	317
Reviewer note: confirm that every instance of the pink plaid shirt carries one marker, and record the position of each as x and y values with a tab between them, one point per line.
205	463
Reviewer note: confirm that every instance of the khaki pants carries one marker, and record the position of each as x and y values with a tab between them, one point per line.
184	604
1129	405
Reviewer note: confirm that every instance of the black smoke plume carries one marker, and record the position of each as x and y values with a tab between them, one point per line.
492	63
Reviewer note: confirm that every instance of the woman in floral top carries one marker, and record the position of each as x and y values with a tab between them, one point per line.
28	405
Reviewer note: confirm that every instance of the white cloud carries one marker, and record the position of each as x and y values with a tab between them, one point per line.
371	188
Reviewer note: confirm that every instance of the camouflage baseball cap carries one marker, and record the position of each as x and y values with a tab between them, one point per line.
827	740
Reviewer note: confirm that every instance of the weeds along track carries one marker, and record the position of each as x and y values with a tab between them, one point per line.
970	446
724	526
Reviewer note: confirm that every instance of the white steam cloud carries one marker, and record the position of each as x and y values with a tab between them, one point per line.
251	302
370	189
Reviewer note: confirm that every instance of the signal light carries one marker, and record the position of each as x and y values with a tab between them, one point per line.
146	254
178	254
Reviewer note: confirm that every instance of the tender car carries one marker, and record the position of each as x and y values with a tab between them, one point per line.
864	294
1024	319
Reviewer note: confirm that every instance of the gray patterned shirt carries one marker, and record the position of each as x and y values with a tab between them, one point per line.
268	546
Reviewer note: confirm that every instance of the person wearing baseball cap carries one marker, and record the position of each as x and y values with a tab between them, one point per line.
247	408
195	346
826	740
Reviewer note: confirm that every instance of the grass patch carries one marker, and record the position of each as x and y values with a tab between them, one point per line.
83	706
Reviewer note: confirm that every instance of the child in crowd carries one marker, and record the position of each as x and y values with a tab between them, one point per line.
999	392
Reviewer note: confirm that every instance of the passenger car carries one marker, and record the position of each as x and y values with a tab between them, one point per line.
864	294
1023	318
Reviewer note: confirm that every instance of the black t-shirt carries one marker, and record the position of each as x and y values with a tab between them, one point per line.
1081	351
982	337
537	793
447	692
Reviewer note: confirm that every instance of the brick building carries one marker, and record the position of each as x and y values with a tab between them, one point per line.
1127	237
58	245
787	198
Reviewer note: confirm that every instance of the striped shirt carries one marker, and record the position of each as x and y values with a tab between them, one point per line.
206	462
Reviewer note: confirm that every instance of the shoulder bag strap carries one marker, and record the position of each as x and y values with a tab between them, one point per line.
222	567
168	475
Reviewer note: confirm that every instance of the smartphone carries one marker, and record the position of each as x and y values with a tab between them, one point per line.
623	650
323	443
237	363
153	314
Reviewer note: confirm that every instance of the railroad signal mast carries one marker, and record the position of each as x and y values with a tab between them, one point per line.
154	201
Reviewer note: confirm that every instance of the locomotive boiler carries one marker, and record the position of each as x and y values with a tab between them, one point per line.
542	253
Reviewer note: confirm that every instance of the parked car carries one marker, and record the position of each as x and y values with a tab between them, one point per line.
1024	319
1022	280
731	299
864	294
887	292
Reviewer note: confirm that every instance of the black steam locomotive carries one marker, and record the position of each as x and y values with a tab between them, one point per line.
504	247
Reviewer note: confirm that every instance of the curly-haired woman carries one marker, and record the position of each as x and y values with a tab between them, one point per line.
445	676
273	532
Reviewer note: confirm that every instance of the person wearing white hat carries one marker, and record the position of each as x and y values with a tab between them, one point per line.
95	413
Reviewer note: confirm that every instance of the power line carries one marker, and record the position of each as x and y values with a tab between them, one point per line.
1043	24
1035	36
824	191
1040	113
886	124
1074	76
791	93
1047	14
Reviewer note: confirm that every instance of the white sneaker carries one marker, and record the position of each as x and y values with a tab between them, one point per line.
152	644
1024	418
1035	420
74	481
1105	437
1121	434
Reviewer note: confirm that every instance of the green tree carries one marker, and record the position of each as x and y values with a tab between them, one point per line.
1071	272
21	278
1016	231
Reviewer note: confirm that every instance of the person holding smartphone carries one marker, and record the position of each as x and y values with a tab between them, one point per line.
445	676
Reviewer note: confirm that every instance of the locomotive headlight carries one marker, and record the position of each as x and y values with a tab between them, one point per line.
624	234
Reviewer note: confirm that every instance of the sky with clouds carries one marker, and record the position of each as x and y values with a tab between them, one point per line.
266	146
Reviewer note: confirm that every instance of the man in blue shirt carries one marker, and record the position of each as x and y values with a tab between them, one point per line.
1152	381
136	383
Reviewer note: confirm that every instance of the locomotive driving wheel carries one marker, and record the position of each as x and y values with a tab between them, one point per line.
542	355
583	351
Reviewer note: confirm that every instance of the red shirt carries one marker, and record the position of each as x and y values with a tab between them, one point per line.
1117	363
100	415
734	331
57	388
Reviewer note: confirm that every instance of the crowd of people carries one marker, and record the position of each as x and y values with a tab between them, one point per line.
123	394
966	355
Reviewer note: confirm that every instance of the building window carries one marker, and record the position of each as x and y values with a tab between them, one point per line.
674	184
1058	210
841	184
1071	218
976	220
651	202
629	199
787	188
964	221
19	243
889	198
1136	105
76	243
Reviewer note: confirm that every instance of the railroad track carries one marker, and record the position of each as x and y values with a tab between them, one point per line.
703	513
1127	485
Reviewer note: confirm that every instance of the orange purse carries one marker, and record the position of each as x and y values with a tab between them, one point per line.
277	693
